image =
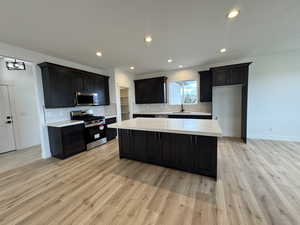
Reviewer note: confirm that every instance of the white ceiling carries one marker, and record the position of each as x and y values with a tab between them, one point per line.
191	32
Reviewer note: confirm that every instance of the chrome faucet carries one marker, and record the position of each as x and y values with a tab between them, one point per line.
182	109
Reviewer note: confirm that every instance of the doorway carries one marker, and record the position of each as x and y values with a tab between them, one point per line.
7	139
124	101
20	142
227	108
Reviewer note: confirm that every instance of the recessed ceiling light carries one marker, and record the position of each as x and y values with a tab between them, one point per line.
148	39
223	50
170	60
99	54
233	13
180	66
132	68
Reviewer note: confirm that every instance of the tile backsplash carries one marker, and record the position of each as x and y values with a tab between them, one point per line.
200	107
60	114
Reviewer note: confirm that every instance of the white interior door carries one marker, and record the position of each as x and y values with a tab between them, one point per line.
7	142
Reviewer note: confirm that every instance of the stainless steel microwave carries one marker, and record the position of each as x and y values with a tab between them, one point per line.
84	98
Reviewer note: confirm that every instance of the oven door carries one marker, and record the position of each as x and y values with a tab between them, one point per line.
94	133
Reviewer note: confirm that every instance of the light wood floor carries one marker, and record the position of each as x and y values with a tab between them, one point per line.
258	183
15	159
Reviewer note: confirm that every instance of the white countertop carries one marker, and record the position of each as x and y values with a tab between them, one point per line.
176	113
180	126
65	123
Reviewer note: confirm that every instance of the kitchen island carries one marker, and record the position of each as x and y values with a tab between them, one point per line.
185	144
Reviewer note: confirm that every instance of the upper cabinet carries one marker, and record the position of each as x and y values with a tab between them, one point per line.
230	75
61	83
152	90
205	86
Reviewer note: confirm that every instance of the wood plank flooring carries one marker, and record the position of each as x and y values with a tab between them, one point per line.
258	184
21	157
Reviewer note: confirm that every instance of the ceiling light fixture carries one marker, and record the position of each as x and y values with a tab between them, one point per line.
15	65
223	50
148	39
132	68
99	54
180	66
233	13
170	60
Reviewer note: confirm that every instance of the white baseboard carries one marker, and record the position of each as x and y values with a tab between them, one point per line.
275	138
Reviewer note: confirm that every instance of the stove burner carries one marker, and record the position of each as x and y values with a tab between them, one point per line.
88	117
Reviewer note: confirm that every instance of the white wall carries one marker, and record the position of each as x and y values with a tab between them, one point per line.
35	58
23	101
175	75
124	79
273	97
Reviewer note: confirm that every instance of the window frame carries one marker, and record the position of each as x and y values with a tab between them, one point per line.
182	97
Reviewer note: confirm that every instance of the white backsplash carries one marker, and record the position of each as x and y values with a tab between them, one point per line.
200	107
61	114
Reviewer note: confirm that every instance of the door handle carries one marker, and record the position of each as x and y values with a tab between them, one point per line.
9	121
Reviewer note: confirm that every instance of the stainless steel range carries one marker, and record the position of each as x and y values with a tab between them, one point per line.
95	133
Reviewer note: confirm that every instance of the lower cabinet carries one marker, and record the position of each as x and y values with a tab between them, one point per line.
111	133
176	116
208	117
191	153
144	115
66	141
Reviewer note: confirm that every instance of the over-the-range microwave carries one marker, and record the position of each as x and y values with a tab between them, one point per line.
86	98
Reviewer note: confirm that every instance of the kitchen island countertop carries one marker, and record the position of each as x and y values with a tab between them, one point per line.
180	126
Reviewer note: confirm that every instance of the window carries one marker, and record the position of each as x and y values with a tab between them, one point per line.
183	92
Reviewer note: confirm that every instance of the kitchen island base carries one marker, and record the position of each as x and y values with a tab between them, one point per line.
191	153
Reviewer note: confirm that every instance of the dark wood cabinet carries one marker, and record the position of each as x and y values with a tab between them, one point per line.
143	115
66	141
176	116
111	133
204	162
220	77
154	148
125	144
235	75
58	87
196	154
205	86
61	83
238	75
230	75
209	117
152	90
